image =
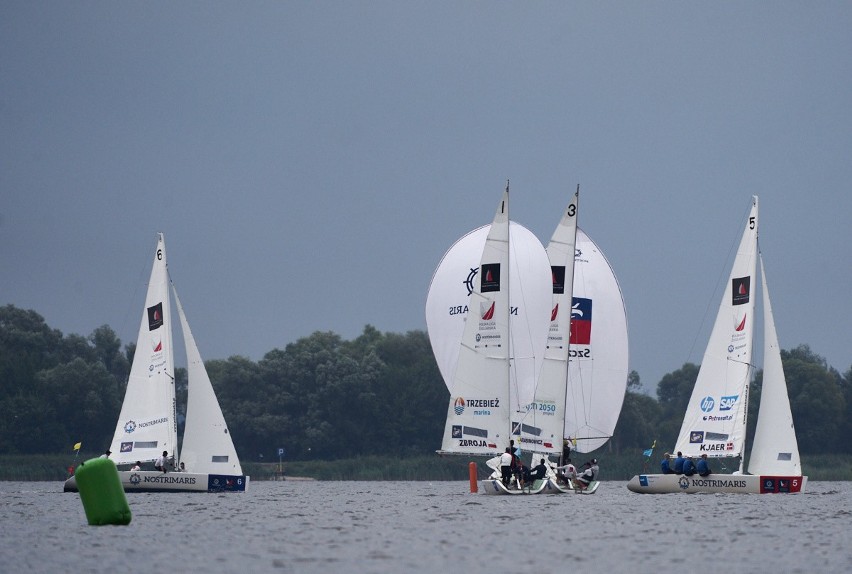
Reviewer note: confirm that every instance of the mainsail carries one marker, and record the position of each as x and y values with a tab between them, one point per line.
147	425
498	329
543	422
715	419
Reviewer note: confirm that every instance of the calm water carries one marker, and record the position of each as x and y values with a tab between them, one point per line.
336	527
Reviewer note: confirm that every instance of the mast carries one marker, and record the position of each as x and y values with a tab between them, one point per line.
510	339
570	287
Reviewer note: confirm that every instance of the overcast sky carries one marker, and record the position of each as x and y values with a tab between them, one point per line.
310	162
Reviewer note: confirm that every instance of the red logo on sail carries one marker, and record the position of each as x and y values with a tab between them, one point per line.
488	313
554	313
741	326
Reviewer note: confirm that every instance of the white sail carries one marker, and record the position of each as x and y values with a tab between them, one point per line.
598	356
207	446
775	450
448	300
147	424
715	419
543	424
500	347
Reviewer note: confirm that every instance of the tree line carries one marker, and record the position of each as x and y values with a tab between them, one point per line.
325	398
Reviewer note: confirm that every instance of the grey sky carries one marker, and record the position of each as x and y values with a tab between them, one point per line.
310	162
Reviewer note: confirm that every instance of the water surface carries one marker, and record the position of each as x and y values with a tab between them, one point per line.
429	527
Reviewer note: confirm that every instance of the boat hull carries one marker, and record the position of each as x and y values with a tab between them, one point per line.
153	481
716	484
553	487
496	486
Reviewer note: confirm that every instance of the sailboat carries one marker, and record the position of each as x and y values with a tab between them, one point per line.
584	375
489	331
598	367
147	424
715	420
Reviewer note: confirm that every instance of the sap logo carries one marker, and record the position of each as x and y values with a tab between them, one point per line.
727	403
707	404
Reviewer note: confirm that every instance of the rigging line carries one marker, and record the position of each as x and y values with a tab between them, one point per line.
140	280
721	277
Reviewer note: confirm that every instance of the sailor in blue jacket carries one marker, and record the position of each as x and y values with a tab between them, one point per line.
702	467
688	466
665	466
678	465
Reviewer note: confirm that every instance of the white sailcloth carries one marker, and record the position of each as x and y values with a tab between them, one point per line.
598	356
500	348
715	419
207	445
147	425
448	300
543	423
775	450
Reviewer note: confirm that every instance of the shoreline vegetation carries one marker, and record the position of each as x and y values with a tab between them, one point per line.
44	467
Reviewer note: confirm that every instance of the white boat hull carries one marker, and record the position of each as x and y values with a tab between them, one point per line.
553	487
717	484
154	481
496	486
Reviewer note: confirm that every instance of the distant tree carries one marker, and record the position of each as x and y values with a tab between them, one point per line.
638	422
27	345
845	445
107	347
84	397
673	392
816	399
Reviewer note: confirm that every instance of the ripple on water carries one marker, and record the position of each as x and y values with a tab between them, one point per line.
428	527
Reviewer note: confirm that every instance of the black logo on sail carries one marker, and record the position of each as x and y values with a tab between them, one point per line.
490	277
155	317
740	289
558	274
